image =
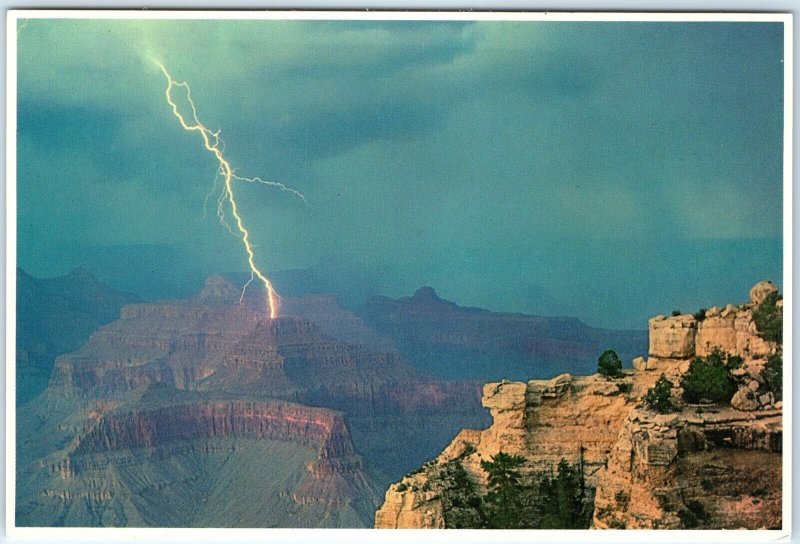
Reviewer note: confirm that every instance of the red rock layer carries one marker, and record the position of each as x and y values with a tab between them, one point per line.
219	419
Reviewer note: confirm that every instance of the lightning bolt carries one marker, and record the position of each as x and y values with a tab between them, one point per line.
277	184
214	145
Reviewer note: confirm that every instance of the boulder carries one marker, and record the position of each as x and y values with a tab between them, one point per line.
761	291
745	399
639	364
673	337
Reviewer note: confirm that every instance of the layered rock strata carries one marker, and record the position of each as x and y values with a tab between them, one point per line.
195	394
140	465
694	469
573	418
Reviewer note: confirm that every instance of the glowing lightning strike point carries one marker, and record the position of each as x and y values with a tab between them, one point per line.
212	142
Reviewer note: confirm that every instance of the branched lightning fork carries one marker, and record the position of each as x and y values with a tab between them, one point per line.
214	145
277	184
211	192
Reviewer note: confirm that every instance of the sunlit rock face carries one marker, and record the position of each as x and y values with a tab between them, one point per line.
703	466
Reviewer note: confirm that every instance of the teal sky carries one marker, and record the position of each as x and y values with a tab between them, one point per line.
609	171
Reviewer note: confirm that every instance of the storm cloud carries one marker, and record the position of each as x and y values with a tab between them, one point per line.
605	170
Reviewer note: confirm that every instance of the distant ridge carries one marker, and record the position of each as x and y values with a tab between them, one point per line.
57	315
449	341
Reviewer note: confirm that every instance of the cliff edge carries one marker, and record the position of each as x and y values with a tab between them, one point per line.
700	464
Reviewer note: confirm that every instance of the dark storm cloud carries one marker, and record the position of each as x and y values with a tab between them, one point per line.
333	131
550	167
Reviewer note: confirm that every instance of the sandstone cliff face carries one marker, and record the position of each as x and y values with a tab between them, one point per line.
730	329
708	470
543	420
709	466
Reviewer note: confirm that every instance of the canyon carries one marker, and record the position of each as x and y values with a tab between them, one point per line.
704	465
203	412
148	407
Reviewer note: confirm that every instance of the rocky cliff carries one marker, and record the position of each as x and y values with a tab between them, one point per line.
716	469
730	329
701	466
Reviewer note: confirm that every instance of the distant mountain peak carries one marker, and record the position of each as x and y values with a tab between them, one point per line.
426	293
219	290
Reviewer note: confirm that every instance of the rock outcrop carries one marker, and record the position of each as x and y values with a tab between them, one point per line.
702	466
693	469
673	337
573	418
730	329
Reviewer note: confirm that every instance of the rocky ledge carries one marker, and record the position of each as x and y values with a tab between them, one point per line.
701	466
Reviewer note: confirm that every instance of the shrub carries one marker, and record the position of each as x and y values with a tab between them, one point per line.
700	314
609	364
402	487
469	449
624	388
676	313
734	362
560	501
773	376
694	514
623	499
708	380
659	397
769	319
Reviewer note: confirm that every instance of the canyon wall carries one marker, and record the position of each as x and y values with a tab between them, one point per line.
178	403
124	460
